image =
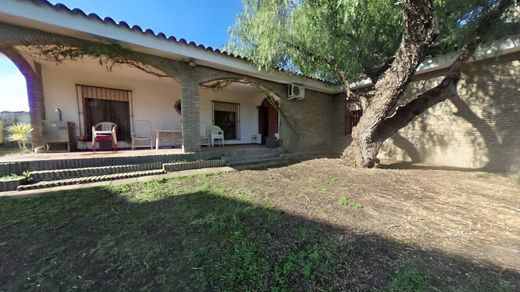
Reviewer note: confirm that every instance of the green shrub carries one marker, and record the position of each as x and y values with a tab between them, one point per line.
20	133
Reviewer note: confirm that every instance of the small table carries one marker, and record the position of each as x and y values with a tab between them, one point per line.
158	134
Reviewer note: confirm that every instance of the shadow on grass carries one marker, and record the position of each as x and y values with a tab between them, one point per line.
158	236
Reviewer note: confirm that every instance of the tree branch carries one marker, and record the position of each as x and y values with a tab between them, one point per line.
342	74
448	86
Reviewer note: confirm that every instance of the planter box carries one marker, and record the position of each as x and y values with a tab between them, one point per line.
11	184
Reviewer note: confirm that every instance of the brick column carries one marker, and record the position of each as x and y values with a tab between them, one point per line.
190	111
33	79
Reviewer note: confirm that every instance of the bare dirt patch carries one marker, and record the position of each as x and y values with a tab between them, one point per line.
474	215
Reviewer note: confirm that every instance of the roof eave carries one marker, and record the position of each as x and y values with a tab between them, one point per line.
29	14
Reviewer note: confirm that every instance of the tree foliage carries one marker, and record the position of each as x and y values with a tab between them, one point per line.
344	40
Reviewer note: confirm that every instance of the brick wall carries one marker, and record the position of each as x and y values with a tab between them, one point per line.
481	129
306	125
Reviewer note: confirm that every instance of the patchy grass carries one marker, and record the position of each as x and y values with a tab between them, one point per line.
8	177
408	279
262	230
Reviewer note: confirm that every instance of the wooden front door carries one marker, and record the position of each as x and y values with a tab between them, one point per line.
267	120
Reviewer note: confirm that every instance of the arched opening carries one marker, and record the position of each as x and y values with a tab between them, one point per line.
13	90
268	121
14	103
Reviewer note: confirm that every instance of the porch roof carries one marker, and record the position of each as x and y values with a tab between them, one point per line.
43	15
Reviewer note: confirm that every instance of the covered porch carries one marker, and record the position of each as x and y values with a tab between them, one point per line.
178	112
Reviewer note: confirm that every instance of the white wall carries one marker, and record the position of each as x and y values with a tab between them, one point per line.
248	98
153	98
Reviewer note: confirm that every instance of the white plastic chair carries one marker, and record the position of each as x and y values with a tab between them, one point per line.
216	133
142	133
204	136
104	131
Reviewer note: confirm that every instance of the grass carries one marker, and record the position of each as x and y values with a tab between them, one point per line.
155	236
197	233
8	177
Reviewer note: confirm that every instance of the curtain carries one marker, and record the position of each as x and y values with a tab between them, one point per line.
226	115
99	104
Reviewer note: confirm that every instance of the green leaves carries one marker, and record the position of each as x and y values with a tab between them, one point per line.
322	38
20	133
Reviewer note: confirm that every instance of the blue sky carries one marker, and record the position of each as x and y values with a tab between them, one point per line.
202	21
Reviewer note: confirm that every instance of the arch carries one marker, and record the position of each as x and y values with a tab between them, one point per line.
34	83
268	121
265	87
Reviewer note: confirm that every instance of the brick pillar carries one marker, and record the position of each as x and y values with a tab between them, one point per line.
190	111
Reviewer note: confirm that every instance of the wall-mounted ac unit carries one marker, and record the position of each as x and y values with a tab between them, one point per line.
296	92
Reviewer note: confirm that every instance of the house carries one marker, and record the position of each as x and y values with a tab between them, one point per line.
205	86
86	93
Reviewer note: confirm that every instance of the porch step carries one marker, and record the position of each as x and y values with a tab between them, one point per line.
89	179
18	167
61	174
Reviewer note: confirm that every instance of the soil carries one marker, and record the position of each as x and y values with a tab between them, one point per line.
473	215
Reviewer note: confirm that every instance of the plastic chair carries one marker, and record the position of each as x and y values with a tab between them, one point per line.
105	131
216	133
142	133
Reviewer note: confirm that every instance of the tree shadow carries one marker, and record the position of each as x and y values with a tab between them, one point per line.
477	129
286	161
158	236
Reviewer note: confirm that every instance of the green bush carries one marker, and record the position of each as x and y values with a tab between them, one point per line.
21	133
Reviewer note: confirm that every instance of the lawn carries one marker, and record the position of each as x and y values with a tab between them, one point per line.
315	225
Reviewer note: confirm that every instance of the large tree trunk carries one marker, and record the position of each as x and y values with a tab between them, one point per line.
381	120
418	33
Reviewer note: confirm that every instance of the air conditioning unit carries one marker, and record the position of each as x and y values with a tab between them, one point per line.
296	92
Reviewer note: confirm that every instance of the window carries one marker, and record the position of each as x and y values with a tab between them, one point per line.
353	113
227	116
98	104
178	107
354	117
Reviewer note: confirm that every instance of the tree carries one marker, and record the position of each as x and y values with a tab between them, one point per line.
346	41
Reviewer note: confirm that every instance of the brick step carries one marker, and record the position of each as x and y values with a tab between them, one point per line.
19	167
185	165
88	179
60	174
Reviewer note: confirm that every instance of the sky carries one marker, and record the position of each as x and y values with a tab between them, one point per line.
202	21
